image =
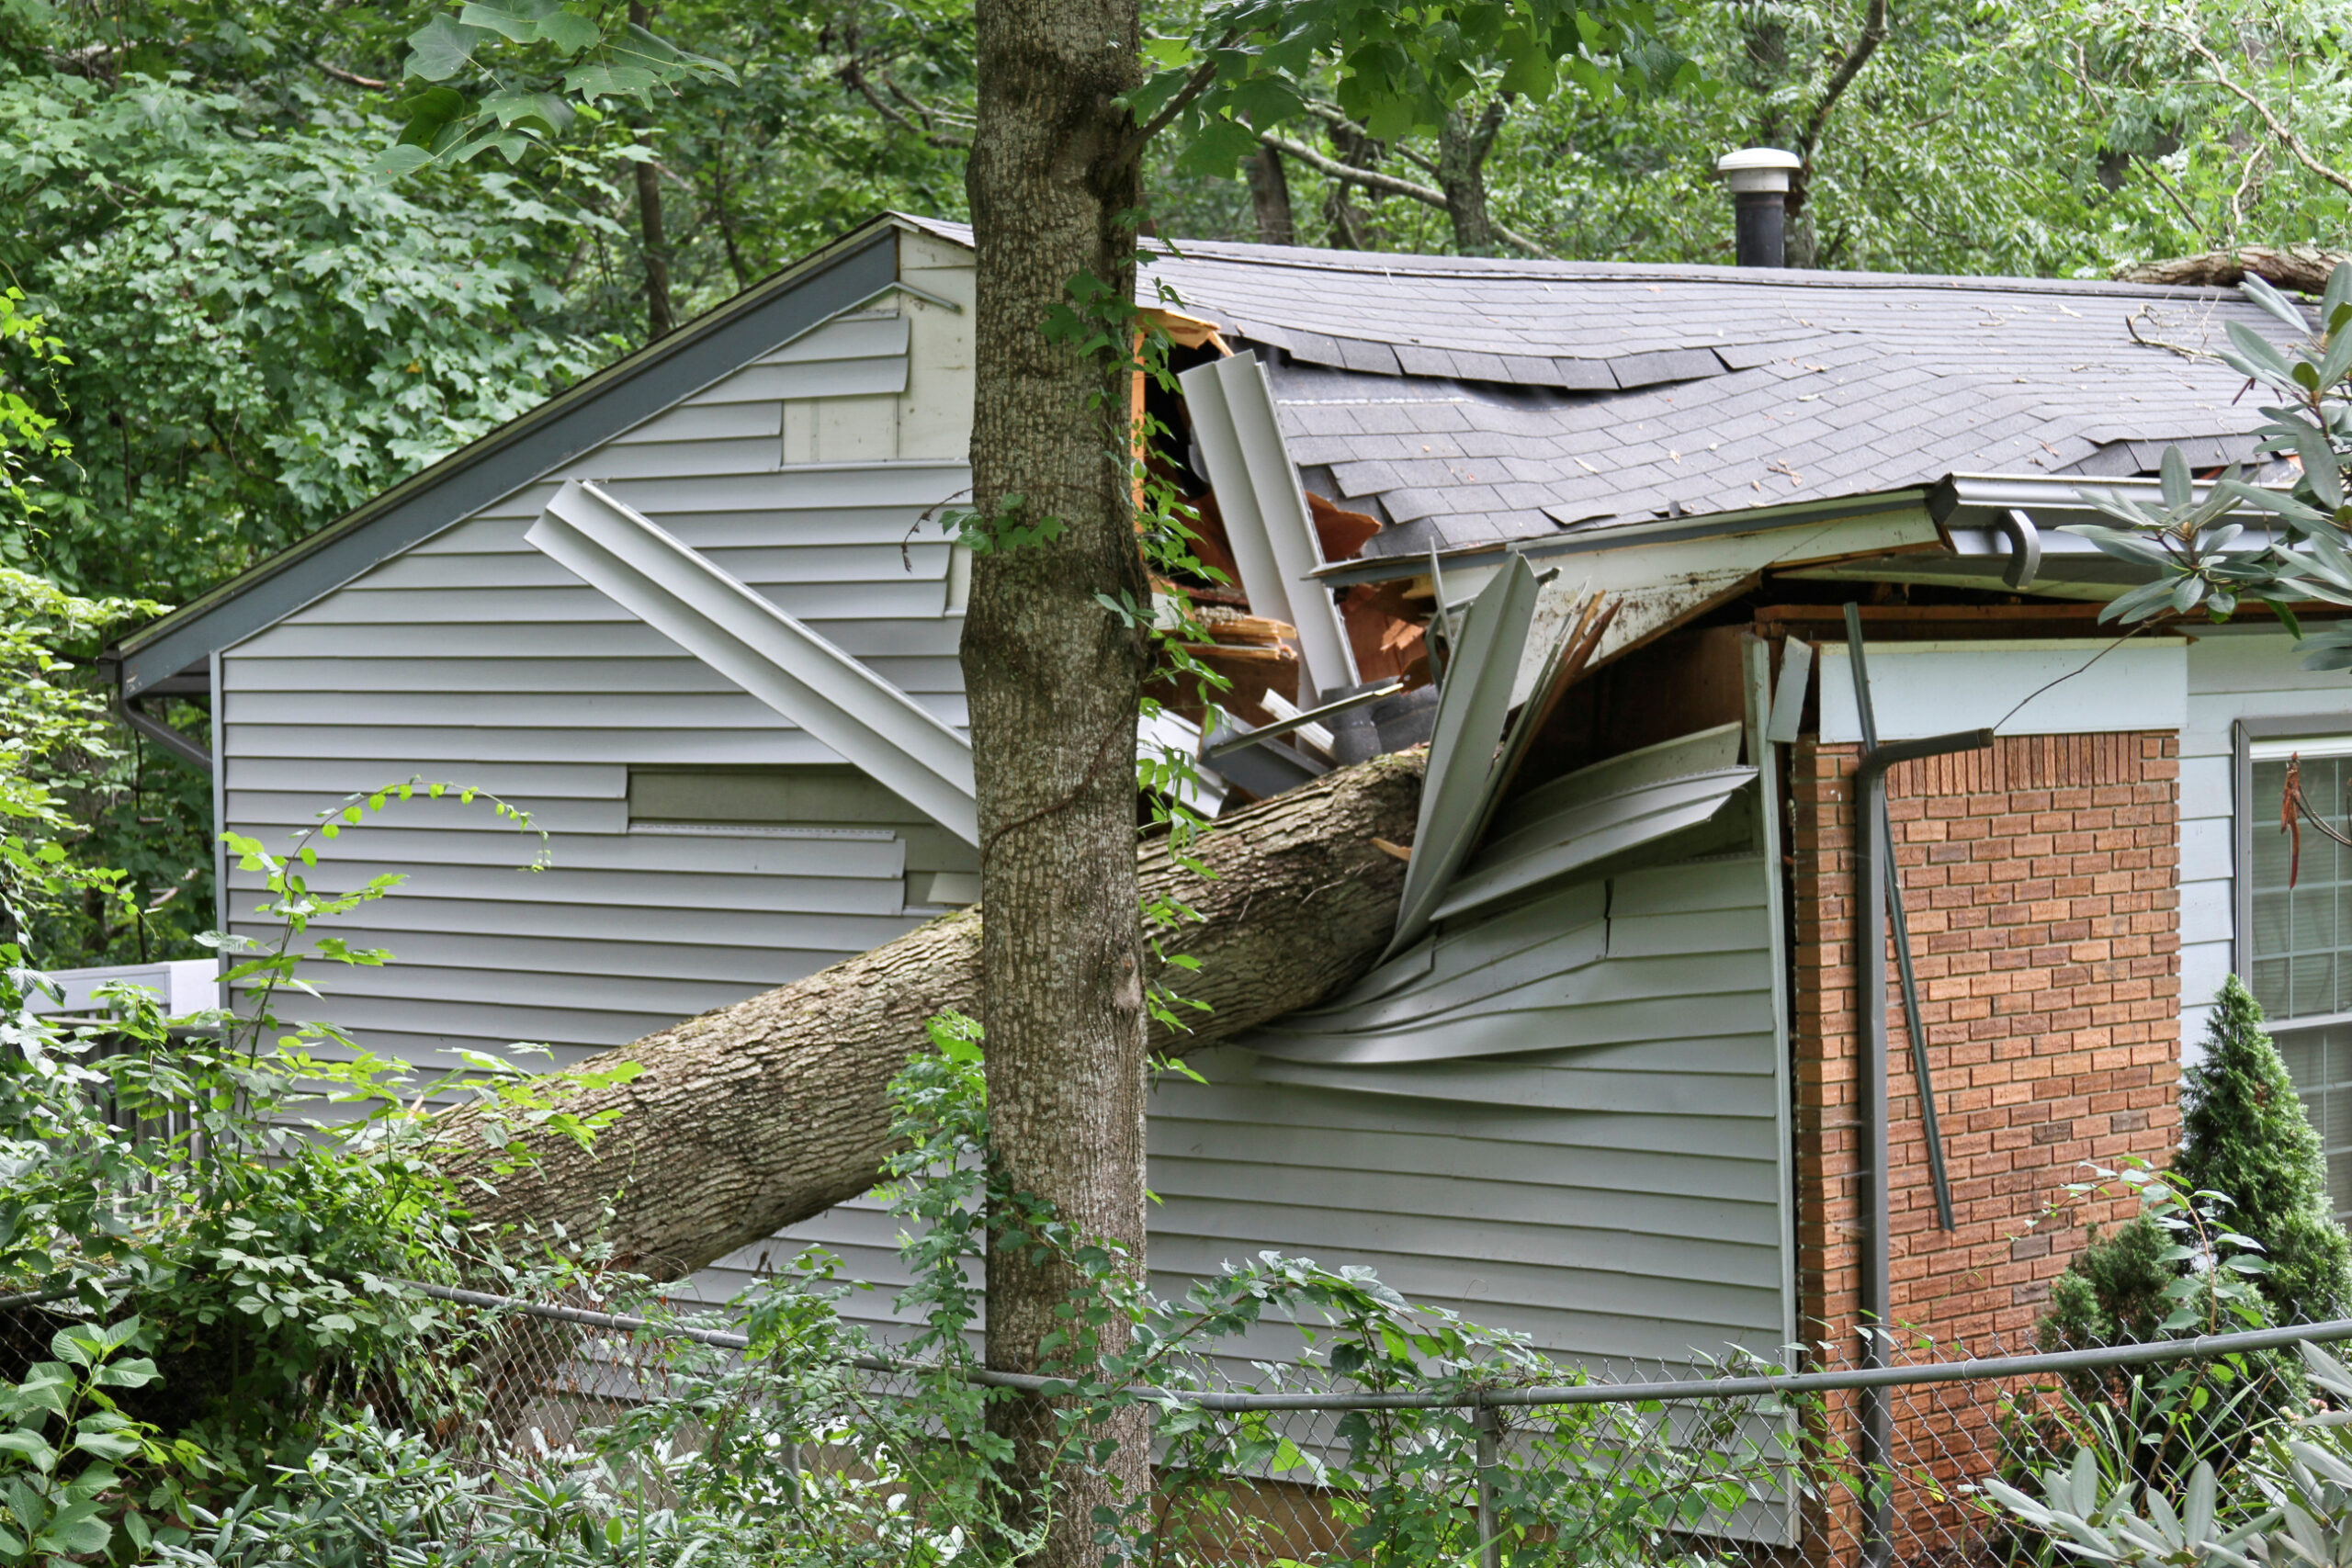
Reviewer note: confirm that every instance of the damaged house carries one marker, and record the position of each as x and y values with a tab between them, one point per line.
1590	530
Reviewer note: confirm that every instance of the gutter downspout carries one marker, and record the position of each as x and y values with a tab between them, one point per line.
180	746
1873	852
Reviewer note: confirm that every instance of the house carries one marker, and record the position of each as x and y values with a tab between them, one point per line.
1608	1088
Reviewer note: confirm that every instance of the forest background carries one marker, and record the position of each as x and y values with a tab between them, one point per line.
245	330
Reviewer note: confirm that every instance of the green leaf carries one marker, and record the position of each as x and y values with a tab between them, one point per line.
611	81
504	22
31	1447
107	1444
568	33
2260	292
442	48
2179	490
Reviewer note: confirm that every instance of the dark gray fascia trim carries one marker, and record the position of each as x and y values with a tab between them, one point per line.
514	456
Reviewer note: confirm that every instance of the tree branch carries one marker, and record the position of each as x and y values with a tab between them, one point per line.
1194	85
1874	33
2172	193
854	75
1332	114
340	75
1373	179
2278	131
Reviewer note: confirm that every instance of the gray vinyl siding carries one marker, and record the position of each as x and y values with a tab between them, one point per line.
474	659
1610	1185
1617	1202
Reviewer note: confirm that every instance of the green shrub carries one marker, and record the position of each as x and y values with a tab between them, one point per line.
2245	1134
2113	1292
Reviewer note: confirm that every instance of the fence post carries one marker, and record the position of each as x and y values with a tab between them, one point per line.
1490	1544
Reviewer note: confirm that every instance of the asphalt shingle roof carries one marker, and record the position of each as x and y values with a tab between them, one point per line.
1468	401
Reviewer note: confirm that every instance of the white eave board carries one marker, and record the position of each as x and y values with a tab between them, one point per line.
1266	518
776	658
2067	686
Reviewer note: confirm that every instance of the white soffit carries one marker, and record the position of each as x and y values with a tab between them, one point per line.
630	560
1266	519
2067	686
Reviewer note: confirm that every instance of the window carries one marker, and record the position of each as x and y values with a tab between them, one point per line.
810	801
2296	941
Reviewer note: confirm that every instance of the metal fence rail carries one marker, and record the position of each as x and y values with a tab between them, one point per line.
1291	1463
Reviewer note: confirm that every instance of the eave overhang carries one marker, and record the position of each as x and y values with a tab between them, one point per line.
845	274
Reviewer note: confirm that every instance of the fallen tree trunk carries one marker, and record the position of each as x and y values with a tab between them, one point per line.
758	1115
2304	268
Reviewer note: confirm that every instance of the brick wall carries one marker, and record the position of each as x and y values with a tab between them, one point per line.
2041	881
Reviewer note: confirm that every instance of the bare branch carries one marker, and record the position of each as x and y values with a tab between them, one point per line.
853	74
340	75
1332	114
1866	44
1373	179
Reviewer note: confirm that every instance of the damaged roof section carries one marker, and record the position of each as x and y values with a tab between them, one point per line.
1469	403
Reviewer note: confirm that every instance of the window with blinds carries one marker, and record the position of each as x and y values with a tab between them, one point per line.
2301	936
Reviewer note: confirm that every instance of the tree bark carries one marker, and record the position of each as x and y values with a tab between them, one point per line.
659	321
2304	268
758	1115
1461	148
1054	678
1270	198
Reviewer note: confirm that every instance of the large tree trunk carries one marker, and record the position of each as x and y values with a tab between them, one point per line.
1461	148
2305	268
752	1117
1054	678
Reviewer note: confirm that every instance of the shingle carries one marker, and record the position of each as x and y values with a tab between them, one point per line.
1363	478
1583	375
1376	358
1314	348
1418	360
1669	365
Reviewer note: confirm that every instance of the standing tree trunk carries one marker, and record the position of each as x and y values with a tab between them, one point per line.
1270	198
1461	148
1053	679
658	319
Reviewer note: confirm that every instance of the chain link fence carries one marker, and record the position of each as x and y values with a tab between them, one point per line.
1282	1462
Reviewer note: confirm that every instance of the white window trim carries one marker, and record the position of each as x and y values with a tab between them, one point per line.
2269	741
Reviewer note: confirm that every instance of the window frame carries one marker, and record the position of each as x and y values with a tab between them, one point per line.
2244	733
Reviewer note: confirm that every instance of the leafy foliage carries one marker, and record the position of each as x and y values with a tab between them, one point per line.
2289	1502
2244	1131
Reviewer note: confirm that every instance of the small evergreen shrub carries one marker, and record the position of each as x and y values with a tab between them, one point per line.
2113	1292
2245	1134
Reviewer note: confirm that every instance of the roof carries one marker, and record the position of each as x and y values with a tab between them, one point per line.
838	277
1725	389
1473	401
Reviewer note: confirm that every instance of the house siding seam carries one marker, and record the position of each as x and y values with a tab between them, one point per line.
2041	878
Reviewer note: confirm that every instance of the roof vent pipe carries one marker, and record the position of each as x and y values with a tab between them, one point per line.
1758	177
